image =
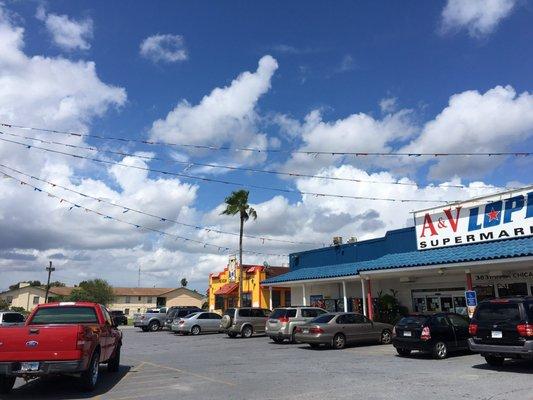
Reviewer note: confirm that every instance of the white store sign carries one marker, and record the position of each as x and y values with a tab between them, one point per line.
503	216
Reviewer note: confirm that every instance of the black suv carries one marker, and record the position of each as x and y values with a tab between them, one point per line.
503	328
438	334
119	317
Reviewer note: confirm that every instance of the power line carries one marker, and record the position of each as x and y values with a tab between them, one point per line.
158	217
267	150
74	205
253	186
189	164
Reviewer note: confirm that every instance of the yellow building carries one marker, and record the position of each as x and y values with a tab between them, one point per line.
224	288
128	300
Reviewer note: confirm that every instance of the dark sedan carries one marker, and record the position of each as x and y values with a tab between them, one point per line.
438	334
339	329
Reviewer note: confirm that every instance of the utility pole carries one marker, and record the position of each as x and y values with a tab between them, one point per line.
50	269
139	279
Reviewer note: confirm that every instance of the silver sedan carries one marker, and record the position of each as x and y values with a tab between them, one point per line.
197	323
339	329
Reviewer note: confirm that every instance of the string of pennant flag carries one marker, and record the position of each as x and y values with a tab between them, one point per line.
126	209
315	153
29	146
74	205
190	164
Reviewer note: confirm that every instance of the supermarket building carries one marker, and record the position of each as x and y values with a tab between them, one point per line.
485	244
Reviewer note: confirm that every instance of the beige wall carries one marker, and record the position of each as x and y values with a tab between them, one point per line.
24	297
175	298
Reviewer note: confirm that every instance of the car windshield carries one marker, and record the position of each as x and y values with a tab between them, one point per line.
493	312
413	320
323	319
64	315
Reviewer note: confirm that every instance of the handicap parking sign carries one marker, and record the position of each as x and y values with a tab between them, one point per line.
471	302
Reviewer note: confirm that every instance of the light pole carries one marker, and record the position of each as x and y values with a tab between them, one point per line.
50	269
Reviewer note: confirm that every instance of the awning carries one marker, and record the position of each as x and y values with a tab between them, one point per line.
227	289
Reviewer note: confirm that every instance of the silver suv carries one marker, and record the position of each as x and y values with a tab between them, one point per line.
283	321
244	321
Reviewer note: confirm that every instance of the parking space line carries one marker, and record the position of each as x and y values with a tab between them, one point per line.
191	373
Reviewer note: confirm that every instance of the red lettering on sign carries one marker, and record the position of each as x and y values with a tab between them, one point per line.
428	224
453	222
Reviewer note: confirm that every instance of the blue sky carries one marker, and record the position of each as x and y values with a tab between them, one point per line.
330	68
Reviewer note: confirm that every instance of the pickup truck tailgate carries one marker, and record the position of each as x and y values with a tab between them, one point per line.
39	342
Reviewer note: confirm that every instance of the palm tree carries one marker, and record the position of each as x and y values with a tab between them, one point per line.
237	203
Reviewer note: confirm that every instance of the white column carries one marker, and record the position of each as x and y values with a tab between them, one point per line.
363	291
270	298
345	298
304	303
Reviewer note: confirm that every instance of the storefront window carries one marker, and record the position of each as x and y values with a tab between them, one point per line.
219	302
247	299
484	292
512	289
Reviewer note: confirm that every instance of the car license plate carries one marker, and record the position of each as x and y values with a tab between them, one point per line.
496	334
29	366
305	330
407	333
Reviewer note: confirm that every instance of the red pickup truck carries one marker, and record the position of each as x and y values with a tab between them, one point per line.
60	338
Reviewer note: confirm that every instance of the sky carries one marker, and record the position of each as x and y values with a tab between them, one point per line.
300	79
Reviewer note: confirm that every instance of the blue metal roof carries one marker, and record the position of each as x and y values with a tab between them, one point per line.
467	253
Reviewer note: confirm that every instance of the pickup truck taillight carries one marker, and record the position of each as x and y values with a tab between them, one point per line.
394	332
472	329
426	334
298	330
525	330
80	340
283	320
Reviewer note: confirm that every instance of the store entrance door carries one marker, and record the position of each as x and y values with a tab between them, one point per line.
435	300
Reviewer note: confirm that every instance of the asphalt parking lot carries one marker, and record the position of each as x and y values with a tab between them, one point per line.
165	366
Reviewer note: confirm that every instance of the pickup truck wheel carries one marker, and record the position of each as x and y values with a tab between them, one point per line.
6	383
114	362
153	326
494	361
195	330
89	377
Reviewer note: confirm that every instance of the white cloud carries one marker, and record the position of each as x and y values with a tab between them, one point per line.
225	116
67	33
497	120
347	64
388	104
167	48
357	132
479	17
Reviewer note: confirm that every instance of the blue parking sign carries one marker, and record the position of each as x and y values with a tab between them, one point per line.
471	298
